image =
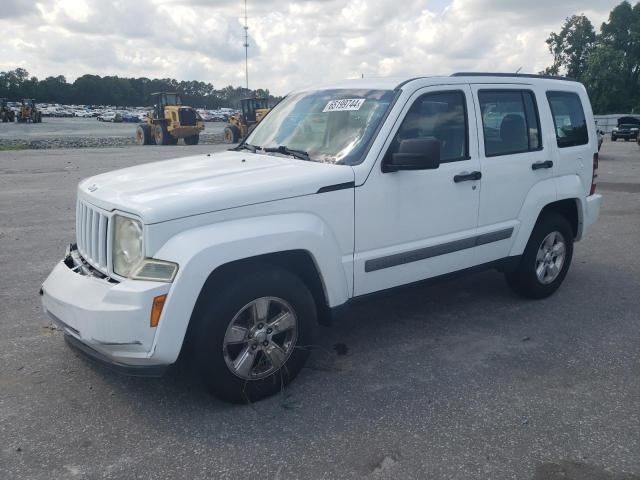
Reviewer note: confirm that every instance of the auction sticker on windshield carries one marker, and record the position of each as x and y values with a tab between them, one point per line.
344	105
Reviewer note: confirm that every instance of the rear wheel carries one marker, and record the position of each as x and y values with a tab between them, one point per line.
231	134
251	334
160	134
546	258
613	139
192	140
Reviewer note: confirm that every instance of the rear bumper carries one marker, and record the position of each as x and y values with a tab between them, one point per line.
593	204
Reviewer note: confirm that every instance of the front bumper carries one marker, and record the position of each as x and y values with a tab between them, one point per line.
625	135
107	321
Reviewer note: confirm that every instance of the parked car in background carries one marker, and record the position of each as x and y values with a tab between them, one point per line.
628	128
110	117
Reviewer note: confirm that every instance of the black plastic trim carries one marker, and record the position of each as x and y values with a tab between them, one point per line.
435	251
506	264
338	186
101	359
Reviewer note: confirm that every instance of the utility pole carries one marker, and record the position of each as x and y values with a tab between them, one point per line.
246	47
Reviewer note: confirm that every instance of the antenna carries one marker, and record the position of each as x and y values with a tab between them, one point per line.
246	47
518	70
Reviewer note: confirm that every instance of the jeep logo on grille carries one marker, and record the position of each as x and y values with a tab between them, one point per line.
93	187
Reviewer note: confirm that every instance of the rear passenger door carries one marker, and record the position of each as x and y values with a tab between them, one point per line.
576	141
513	158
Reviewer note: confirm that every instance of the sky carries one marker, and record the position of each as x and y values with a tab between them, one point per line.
293	44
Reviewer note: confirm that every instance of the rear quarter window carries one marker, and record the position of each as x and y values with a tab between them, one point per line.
568	119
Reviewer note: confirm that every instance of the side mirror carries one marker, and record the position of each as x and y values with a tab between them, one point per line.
415	154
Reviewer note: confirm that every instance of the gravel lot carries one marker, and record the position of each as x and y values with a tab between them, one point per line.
82	132
456	380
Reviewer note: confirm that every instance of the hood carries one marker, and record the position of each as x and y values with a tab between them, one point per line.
171	189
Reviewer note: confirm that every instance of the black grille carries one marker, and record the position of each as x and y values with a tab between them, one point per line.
187	117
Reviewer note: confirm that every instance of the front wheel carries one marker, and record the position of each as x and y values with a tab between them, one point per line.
252	336
613	139
546	258
160	134
231	134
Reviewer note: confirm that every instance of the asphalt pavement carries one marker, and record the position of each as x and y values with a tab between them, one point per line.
459	379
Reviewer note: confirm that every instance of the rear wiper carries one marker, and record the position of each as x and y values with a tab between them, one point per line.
246	146
301	154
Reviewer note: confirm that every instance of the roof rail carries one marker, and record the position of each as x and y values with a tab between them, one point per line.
511	75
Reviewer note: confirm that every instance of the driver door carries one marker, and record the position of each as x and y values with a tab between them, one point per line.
415	224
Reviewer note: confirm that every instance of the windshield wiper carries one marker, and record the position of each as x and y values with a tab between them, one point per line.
246	146
301	154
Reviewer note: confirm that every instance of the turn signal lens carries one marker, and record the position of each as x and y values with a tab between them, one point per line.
156	310
594	174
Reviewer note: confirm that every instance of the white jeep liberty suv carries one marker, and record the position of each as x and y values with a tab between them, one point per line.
340	192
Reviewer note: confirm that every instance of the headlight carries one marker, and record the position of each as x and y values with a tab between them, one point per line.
127	244
615	129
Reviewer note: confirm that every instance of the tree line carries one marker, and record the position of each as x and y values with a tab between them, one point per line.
119	91
606	62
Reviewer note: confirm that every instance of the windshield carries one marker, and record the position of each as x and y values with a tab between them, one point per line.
331	126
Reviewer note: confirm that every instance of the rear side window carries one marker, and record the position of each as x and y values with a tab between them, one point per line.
568	118
510	122
443	116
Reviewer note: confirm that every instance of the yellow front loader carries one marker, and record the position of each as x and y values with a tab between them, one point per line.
170	121
241	124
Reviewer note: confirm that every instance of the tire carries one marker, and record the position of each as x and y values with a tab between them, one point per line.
626	139
613	139
220	308
551	231
143	134
160	134
192	140
171	140
231	134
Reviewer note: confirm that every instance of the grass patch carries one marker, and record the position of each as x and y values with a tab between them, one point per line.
11	147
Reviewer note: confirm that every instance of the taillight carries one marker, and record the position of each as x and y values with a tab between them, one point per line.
595	173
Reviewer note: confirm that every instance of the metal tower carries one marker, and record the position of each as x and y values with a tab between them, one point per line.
246	47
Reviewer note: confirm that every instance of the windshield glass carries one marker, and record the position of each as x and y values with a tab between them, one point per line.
332	126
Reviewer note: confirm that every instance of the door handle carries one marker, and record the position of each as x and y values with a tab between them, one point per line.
466	177
539	165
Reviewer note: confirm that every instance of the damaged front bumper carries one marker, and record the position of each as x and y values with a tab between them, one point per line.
104	319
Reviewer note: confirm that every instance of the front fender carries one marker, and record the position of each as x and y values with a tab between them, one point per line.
202	250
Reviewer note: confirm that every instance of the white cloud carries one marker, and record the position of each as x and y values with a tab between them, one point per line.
293	43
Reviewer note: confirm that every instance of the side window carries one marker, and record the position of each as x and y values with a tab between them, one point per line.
442	116
568	118
510	122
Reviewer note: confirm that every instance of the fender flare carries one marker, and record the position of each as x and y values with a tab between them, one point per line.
200	251
542	194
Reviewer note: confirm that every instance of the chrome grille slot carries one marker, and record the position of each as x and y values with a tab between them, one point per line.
92	230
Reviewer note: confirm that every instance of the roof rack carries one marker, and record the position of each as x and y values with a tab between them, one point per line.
511	75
